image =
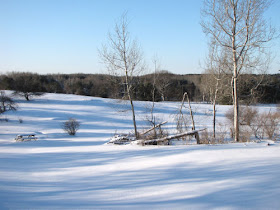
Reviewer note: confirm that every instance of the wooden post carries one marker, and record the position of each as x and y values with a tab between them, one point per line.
196	135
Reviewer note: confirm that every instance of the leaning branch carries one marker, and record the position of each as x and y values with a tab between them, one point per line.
156	126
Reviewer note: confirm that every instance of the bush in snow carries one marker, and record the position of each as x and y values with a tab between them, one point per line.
259	124
247	115
71	126
206	137
270	124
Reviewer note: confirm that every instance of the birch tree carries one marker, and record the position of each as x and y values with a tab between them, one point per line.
122	57
216	68
238	27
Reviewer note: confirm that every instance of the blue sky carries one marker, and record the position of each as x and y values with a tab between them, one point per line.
62	36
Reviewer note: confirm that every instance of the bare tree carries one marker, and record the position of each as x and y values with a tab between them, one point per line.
152	119
162	82
217	71
6	103
27	85
238	27
122	57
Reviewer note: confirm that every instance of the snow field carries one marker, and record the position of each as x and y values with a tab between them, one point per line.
82	172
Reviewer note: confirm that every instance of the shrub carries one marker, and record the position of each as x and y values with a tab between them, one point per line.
221	133
206	137
270	122
245	134
257	127
247	115
230	115
260	124
71	126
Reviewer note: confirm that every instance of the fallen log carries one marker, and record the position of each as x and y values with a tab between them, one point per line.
168	138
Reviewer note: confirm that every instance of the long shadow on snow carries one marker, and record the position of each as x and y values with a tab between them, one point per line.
56	193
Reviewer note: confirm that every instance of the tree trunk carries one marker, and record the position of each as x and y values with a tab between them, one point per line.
214	119
235	75
162	97
26	95
193	124
214	109
180	135
235	94
236	111
133	117
130	100
132	107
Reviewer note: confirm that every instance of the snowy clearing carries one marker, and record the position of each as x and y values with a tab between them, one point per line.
59	171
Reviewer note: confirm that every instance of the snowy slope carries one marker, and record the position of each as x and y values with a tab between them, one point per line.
81	172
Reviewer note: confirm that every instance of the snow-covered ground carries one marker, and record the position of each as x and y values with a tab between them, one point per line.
82	172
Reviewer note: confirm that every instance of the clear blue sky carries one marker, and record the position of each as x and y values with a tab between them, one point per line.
62	36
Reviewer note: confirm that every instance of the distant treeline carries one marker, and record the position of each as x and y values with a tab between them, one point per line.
162	86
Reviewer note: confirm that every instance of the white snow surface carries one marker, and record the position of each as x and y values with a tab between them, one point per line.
59	171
